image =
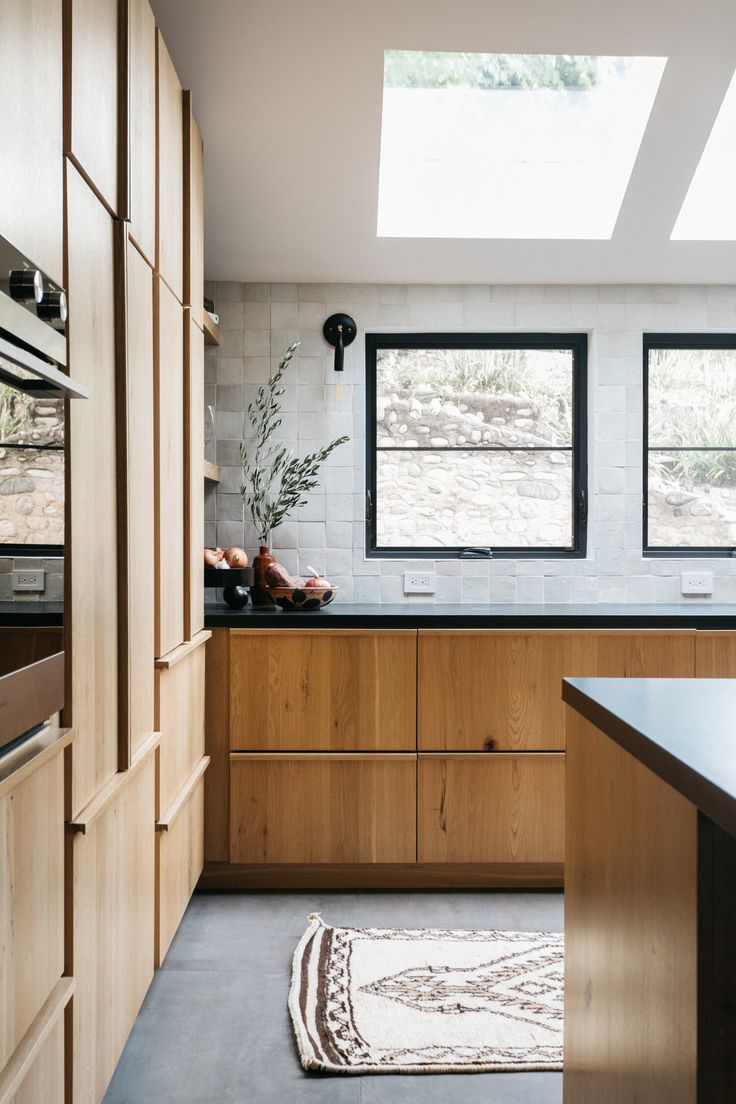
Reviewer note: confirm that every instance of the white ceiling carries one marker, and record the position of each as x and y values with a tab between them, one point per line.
288	95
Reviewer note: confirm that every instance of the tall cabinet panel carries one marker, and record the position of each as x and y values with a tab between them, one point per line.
194	478
91	603
169	173
169	468
142	127
193	213
31	163
91	92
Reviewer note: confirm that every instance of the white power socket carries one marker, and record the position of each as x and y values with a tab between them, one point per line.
419	582
28	580
697	582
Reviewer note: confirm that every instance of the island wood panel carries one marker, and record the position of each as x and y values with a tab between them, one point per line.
180	720
323	690
31	132
193	477
32	898
91	92
91	614
501	690
135	377
21	645
110	928
169	171
715	654
217	746
179	863
630	929
193	213
322	808
169	468
491	808
142	126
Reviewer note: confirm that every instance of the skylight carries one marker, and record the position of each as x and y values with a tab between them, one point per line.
709	210
509	145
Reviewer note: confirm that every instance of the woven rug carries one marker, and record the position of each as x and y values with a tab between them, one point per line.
375	1000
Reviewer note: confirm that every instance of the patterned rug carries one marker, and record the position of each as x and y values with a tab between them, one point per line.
384	1000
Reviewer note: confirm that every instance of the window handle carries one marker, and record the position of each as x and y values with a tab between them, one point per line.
474	552
368	506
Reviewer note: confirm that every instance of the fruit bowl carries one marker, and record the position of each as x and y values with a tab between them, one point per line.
302	598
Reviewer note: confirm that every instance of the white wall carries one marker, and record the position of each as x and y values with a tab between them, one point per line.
259	321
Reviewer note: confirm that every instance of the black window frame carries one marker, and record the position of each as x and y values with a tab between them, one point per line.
675	341
577	342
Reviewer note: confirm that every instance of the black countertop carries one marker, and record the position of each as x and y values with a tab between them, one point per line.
31	614
684	730
436	616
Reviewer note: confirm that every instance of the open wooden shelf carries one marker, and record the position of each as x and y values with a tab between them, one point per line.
211	472
211	330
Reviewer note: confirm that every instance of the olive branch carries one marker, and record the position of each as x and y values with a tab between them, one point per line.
275	481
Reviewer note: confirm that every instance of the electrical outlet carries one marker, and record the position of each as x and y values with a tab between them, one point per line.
419	582
28	580
697	582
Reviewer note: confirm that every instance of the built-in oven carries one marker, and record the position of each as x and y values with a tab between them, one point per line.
33	360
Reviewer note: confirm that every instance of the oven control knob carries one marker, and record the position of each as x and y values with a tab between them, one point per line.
52	307
26	285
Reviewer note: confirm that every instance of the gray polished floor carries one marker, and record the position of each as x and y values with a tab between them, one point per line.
214	1028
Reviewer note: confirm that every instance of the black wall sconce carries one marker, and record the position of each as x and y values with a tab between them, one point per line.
339	330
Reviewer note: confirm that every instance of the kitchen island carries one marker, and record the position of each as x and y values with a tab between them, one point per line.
650	871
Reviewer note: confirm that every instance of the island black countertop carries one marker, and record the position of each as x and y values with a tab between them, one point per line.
684	730
31	614
428	615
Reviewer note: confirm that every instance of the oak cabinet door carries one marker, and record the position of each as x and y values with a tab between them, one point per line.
322	808
170	173
491	808
193	213
180	720
322	690
193	477
142	127
31	132
487	690
715	654
179	862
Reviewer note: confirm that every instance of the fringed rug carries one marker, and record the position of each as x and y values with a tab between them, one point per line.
374	1000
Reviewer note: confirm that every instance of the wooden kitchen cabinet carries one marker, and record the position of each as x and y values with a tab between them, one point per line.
193	477
31	132
491	808
180	720
179	860
322	690
169	173
715	654
193	213
142	127
91	94
322	808
501	690
169	468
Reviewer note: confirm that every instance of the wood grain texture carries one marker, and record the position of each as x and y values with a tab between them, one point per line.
217	746
21	645
715	654
500	690
111	929
136	376
169	171
142	126
35	1073
180	720
31	898
193	477
91	616
169	468
491	808
323	690
193	213
223	875
91	92
31	132
630	929
323	809
179	862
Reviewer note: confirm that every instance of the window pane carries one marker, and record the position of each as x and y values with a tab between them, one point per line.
692	499
456	499
692	397
450	397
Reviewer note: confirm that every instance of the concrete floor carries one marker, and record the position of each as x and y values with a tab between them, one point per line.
214	1028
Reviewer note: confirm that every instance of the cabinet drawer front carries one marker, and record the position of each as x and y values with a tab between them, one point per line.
323	690
179	862
180	720
501	691
322	809
491	808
